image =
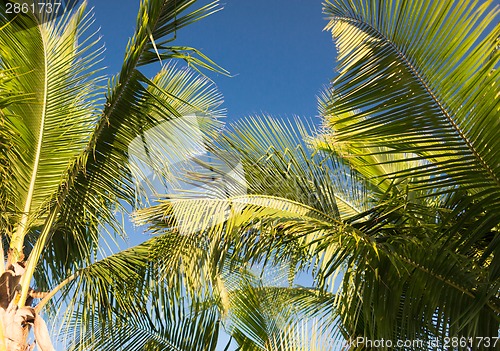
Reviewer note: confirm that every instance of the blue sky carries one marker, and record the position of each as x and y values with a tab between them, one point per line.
276	50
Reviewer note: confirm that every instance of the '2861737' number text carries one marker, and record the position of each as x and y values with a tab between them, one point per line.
35	7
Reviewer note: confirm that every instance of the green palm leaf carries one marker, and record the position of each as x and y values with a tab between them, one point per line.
289	194
55	72
413	109
416	77
8	138
96	186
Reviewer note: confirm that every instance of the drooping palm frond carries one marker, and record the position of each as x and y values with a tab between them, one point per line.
157	293
165	293
170	314
414	78
413	111
167	321
289	206
400	271
277	318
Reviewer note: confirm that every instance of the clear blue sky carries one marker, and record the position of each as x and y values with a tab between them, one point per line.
276	50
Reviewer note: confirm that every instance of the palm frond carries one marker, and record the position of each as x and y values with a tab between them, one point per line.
381	167
110	175
266	157
274	318
101	175
278	194
395	265
167	322
157	293
413	78
53	66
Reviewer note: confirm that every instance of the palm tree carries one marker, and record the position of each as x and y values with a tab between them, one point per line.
398	193
65	172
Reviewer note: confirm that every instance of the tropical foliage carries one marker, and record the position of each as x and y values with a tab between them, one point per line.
396	195
392	205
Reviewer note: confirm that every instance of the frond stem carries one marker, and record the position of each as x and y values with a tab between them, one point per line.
54	291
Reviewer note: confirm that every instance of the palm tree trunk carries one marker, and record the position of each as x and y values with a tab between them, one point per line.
15	321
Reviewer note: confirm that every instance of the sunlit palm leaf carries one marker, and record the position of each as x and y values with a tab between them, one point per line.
414	90
290	194
186	93
53	67
8	138
276	162
407	111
